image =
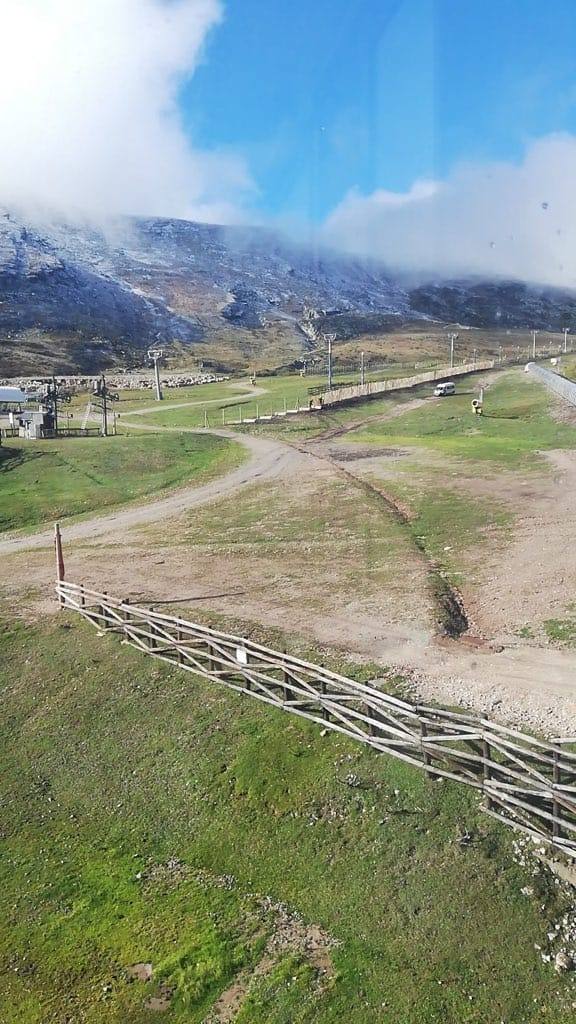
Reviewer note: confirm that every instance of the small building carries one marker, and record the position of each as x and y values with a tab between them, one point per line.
34	424
12	399
12	403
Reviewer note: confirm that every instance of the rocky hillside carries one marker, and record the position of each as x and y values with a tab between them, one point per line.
72	296
505	304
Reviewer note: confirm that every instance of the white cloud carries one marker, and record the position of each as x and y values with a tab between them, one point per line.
89	120
493	219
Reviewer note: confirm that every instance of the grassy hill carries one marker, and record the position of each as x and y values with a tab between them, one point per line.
261	872
41	482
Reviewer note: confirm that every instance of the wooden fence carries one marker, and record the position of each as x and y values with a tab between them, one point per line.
322	396
380	387
527	783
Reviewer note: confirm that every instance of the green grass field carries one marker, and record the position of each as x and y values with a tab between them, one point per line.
269	395
311	424
48	480
213	398
150	817
452	527
452	522
516	425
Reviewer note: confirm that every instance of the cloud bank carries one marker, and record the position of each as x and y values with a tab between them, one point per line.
89	120
494	220
90	126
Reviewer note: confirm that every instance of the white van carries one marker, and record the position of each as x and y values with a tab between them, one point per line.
448	388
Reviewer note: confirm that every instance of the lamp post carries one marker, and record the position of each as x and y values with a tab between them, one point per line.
566	332
534	333
362	374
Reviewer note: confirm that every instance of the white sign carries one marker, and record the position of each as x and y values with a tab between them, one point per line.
241	655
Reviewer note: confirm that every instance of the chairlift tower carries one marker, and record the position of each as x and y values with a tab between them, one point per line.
54	397
155	354
101	398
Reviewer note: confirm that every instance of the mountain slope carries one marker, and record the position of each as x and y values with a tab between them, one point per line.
74	296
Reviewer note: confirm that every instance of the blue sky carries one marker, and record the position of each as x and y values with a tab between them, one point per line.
436	136
323	96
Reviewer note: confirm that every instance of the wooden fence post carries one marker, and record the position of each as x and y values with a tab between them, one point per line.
556	827
285	690
247	682
425	755
486	773
325	712
151	629
59	560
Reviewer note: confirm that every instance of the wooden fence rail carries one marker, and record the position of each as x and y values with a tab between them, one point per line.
380	387
528	783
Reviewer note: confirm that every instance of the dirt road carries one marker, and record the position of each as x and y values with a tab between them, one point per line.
514	680
238	394
268	459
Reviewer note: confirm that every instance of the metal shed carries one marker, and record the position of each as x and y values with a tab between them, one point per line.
12	396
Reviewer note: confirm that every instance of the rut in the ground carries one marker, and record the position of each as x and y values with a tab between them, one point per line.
451	616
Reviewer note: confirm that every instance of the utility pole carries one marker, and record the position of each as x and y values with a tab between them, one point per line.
474	356
329	339
104	408
362	375
452	340
156	354
566	330
534	333
55	405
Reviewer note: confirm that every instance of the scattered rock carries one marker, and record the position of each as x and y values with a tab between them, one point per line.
353	780
563	962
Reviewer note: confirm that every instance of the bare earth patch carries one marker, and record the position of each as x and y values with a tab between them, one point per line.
358	587
290	935
533	578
